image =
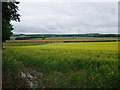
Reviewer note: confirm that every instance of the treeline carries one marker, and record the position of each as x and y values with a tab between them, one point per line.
28	37
43	36
98	35
89	35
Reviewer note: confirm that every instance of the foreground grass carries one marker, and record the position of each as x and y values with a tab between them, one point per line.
63	65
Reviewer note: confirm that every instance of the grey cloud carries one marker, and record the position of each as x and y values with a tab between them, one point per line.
67	18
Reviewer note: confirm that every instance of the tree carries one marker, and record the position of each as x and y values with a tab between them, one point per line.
43	37
9	13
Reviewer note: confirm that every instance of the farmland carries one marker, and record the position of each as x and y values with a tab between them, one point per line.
61	65
62	39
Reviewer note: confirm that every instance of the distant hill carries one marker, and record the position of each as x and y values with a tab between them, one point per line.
44	36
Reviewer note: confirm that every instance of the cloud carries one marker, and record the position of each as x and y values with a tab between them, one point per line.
68	0
67	17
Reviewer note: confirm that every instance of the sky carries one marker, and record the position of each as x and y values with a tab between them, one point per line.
67	18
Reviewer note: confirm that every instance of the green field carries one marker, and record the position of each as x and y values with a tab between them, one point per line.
52	38
62	38
59	38
23	43
62	65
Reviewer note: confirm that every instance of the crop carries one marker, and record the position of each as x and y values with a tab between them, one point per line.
65	65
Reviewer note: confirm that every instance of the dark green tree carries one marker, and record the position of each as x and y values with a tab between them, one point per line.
9	13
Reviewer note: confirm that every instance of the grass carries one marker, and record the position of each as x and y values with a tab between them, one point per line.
63	65
49	38
53	38
24	43
68	38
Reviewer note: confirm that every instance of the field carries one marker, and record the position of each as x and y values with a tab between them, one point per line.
62	39
61	65
54	38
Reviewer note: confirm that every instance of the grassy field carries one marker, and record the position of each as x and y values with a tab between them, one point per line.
66	39
61	65
59	38
54	38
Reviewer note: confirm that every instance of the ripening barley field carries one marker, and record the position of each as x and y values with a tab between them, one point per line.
62	65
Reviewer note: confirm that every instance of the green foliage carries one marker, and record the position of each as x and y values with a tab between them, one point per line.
9	12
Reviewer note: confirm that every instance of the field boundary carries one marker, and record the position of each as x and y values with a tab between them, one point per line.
95	41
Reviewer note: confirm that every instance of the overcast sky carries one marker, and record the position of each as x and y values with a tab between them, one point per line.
67	17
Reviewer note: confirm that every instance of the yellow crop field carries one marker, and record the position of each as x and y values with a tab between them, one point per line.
62	65
83	45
